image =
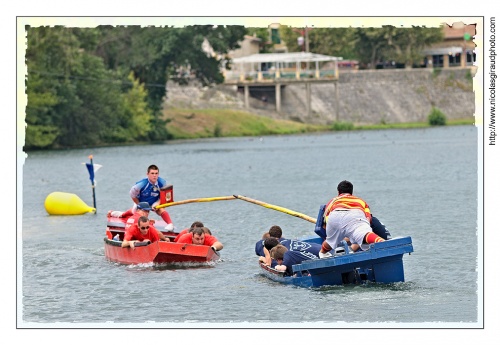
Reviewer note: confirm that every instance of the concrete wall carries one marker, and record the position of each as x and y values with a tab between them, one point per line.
365	97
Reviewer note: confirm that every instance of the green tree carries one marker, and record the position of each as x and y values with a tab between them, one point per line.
136	104
327	41
50	53
157	54
92	105
371	45
266	44
406	44
77	86
41	131
367	45
72	99
289	36
334	42
402	45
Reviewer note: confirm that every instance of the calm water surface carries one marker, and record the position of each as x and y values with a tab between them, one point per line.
421	183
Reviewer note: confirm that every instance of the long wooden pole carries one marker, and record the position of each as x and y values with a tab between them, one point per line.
277	208
188	201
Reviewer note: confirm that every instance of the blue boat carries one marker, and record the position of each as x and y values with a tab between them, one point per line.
381	263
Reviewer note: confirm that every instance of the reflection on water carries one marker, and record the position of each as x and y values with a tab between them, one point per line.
184	265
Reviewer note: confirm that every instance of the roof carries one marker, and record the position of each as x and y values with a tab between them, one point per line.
285	57
458	31
252	38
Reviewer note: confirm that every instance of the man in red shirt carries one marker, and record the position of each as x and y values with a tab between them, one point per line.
200	237
196	224
141	232
143	209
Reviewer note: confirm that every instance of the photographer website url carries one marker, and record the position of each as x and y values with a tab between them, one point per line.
493	77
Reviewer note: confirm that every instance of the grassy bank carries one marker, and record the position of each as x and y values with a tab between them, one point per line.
456	122
210	123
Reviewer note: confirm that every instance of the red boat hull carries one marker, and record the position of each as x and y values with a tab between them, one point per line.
158	252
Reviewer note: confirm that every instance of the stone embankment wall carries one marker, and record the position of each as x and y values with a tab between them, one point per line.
365	97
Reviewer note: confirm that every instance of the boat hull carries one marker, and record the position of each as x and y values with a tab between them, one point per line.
381	263
158	252
277	276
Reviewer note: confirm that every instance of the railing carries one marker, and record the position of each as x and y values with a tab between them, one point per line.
271	76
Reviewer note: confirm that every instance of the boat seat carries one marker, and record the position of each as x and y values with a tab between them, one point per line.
318	229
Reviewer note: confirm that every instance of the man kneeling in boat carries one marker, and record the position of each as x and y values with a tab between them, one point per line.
199	236
286	259
347	216
142	231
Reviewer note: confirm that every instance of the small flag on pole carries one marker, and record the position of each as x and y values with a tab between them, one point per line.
92	168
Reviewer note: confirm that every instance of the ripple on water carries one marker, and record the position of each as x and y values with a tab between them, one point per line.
404	176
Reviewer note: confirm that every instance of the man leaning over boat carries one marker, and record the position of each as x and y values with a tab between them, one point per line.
142	231
274	231
287	258
307	250
347	216
196	224
200	237
143	210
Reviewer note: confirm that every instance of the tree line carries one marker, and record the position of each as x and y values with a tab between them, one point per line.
367	45
93	86
106	85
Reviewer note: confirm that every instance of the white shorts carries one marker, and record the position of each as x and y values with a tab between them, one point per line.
350	223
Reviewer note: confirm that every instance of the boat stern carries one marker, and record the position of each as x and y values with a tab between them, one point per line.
381	263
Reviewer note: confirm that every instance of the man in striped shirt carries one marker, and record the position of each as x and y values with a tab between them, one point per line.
347	216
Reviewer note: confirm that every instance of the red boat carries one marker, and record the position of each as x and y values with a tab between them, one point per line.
158	252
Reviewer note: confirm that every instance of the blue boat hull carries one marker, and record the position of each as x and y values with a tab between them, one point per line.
381	263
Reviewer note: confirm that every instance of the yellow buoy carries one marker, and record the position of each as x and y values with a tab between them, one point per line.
66	204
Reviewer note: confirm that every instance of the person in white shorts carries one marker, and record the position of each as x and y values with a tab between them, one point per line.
347	217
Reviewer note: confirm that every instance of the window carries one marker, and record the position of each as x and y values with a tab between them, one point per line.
275	36
471	58
454	59
437	60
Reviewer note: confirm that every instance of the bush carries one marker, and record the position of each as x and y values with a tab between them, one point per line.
436	117
342	126
217	130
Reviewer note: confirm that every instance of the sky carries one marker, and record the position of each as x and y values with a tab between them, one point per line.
254	13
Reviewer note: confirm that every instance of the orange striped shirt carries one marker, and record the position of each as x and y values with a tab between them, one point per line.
347	201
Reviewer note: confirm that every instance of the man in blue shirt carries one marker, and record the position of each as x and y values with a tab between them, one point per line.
310	250
148	190
287	258
277	232
307	250
259	245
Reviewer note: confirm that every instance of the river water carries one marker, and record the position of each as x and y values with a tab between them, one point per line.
421	183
